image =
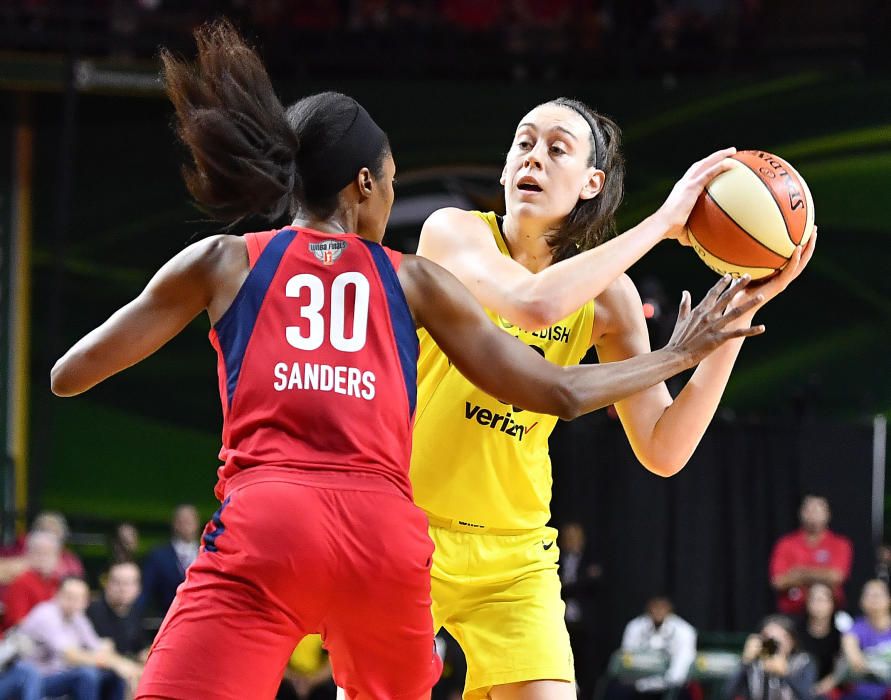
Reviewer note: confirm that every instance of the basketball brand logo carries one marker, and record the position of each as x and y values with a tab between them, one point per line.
327	252
796	199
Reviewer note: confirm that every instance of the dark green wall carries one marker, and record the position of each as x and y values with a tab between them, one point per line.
148	438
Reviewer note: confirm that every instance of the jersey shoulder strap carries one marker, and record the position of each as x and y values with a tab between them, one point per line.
494	222
256	243
395	257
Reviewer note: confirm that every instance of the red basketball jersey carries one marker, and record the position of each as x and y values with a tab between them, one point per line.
318	359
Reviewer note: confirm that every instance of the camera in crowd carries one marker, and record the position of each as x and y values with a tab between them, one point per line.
769	646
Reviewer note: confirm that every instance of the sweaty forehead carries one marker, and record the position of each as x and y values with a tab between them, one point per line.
548	116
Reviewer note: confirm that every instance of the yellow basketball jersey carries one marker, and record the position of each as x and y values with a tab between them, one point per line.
474	458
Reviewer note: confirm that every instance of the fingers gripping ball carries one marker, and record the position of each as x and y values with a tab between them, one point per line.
750	218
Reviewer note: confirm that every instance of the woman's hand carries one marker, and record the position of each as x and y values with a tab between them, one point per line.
777	665
769	288
699	331
825	686
858	664
853	654
676	209
752	649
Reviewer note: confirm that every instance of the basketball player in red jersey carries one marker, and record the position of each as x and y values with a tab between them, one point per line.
314	326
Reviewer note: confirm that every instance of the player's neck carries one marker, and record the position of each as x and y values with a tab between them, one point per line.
343	220
527	241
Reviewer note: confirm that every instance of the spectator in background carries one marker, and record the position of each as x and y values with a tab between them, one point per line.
579	576
19	680
659	630
818	636
38	583
773	667
165	566
471	15
69	653
13	561
55	523
11	567
538	36
115	615
315	15
810	555
869	638
124	543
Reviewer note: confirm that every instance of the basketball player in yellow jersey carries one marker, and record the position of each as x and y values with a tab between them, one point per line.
480	468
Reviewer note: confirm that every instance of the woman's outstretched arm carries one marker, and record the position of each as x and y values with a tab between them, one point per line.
203	276
511	371
664	432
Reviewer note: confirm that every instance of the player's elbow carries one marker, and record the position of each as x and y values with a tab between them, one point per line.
663	465
535	312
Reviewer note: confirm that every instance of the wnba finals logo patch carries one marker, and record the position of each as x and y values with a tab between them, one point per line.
327	252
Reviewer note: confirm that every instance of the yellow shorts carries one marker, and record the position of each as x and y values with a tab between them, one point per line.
499	597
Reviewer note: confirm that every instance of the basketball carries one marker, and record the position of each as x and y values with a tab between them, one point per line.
749	219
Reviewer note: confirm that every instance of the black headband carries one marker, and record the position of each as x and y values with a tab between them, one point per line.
599	145
326	171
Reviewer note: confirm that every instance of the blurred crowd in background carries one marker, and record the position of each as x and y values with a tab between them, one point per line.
61	639
813	644
516	39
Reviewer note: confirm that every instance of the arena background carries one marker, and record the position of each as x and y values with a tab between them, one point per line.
92	203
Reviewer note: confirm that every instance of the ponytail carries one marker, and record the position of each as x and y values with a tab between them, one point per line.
244	152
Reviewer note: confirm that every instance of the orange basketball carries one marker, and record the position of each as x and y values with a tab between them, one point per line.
750	218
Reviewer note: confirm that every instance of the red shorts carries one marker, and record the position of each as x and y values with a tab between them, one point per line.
289	554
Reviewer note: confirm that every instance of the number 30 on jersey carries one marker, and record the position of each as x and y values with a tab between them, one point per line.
315	322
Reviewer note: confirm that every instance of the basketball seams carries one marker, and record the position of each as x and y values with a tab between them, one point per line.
753	270
740	228
773	196
732	204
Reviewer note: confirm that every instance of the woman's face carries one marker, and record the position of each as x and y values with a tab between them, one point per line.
128	536
820	604
875	599
547	171
374	212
